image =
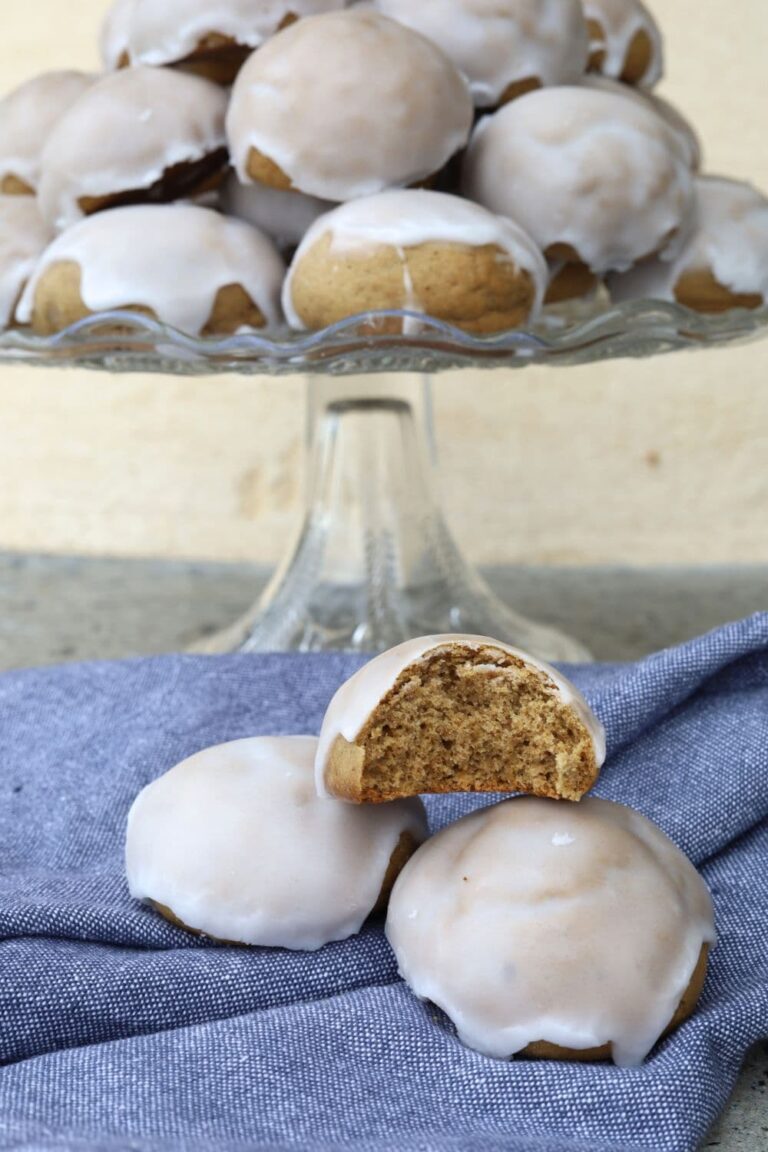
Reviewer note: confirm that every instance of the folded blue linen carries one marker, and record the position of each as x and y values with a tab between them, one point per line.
119	1031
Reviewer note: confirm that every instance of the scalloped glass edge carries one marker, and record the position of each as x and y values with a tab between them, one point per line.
569	335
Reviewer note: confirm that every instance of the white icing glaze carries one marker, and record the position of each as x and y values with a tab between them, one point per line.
356	699
236	843
621	20
285	216
172	258
576	924
495	44
586	168
161	33
348	104
29	114
24	236
124	133
115	33
690	144
405	218
729	239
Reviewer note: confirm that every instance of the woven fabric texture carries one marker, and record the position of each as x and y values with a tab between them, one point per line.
120	1031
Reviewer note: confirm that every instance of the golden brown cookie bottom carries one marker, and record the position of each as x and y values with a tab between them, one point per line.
637	60
182	181
700	291
519	88
571	282
13	186
263	170
597	50
476	289
404	849
216	57
58	304
542	1050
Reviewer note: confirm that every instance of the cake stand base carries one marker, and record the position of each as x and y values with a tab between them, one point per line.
374	562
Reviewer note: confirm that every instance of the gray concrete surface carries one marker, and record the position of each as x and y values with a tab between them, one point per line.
59	609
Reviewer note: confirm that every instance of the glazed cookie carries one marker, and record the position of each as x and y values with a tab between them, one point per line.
503	49
286	216
421	251
724	263
457	714
28	115
563	931
24	236
115	35
142	135
688	138
625	41
593	177
346	105
234	843
186	266
211	39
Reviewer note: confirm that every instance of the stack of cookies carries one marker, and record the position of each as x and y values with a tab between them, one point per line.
256	162
552	924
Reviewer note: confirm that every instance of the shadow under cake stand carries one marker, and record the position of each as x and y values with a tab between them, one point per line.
373	562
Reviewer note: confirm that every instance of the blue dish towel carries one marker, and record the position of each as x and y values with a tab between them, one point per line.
118	1031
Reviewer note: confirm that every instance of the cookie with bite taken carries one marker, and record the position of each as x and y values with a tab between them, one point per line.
457	713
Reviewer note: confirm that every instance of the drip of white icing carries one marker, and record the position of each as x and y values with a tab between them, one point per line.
534	920
587	168
162	33
406	218
29	114
284	215
495	44
690	144
124	133
729	239
24	237
356	699
347	104
236	843
621	20
171	258
115	33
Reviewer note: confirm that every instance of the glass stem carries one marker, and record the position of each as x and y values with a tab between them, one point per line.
374	563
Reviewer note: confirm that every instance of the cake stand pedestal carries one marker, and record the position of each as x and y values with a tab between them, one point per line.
374	562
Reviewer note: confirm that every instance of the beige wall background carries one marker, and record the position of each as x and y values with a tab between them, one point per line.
650	462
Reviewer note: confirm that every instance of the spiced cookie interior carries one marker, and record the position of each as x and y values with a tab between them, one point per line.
461	716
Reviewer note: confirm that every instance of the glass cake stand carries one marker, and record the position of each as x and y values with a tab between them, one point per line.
374	562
